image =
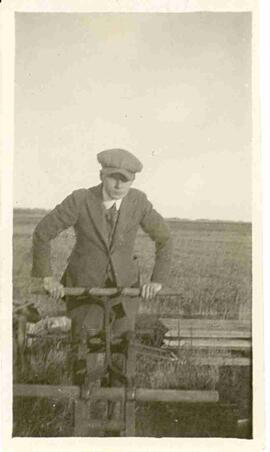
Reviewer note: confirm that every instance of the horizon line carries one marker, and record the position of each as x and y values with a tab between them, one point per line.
167	218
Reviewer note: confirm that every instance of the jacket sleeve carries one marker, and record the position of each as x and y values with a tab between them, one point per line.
155	226
61	217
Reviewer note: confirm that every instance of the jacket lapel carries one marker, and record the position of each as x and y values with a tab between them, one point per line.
96	212
124	218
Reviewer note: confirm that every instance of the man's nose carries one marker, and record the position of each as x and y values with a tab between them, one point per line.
118	183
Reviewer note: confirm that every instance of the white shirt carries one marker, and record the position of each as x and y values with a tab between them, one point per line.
108	202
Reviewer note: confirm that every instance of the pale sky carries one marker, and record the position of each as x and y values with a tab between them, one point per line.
174	89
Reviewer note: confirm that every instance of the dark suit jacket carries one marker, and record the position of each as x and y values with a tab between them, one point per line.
88	262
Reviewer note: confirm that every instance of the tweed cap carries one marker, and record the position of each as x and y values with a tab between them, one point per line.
119	161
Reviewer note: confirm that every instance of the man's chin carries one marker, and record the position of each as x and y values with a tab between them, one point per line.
116	197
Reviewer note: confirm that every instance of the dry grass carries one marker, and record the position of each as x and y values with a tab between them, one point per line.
211	267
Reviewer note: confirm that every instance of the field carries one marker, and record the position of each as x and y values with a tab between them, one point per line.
211	268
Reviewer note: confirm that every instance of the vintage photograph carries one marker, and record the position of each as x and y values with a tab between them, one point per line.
132	225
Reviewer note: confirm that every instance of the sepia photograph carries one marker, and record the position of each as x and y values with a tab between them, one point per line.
132	225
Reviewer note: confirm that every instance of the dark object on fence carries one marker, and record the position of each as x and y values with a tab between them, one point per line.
150	330
22	314
27	310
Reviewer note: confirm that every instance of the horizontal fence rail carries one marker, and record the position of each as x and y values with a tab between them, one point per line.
207	324
209	334
115	393
170	356
220	361
53	391
231	344
107	292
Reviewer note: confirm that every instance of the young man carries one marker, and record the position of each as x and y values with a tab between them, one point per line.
105	219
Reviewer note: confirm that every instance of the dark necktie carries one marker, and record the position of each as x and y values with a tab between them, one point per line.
111	217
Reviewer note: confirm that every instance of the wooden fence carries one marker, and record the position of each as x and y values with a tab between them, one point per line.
231	336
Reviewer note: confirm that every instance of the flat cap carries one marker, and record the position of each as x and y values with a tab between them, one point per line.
119	161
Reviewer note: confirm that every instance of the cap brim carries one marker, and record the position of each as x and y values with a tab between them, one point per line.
127	174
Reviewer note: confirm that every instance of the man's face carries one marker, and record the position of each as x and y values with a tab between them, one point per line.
116	185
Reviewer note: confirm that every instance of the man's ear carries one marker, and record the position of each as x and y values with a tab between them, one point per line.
101	175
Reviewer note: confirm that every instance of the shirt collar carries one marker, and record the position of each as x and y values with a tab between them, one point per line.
108	202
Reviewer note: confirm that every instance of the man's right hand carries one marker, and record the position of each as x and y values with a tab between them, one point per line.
53	287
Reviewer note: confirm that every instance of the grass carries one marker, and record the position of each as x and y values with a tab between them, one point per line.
54	418
212	269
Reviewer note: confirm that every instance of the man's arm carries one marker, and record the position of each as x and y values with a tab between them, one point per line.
158	230
61	217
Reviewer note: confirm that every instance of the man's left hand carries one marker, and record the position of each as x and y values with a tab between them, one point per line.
150	290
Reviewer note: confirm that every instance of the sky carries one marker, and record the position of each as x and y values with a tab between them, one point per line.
174	89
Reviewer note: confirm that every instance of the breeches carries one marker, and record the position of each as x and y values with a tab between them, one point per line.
88	318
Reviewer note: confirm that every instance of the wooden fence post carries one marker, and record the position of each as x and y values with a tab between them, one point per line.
81	417
130	403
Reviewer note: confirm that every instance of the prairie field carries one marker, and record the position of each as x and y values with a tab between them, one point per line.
212	269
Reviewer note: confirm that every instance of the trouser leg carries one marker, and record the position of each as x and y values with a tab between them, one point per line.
123	326
87	321
125	316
